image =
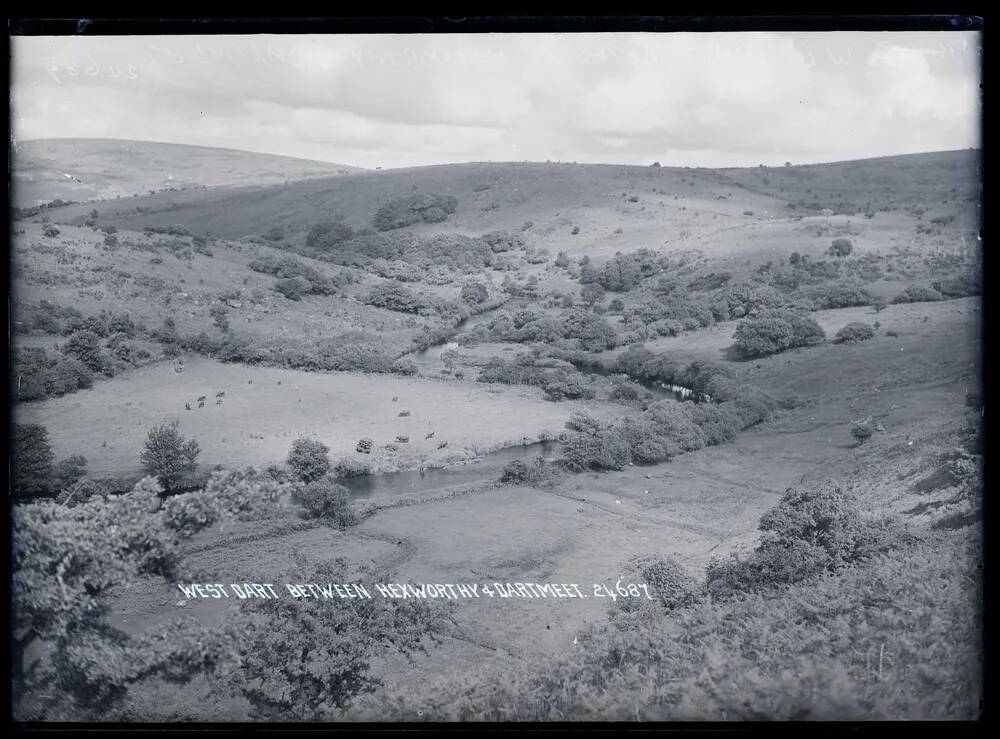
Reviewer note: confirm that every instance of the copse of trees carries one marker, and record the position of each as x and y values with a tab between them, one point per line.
775	331
35	375
402	212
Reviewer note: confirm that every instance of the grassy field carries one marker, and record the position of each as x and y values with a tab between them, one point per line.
256	423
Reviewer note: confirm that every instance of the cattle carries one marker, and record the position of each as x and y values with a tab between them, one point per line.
220	394
395	398
201	399
402	439
403	414
201	403
219	401
187	406
442	445
430	435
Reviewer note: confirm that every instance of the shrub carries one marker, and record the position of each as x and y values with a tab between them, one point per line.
167	455
323	236
404	212
475	293
325	498
50	230
31	459
840	248
348	467
918	294
82	491
86	347
810	531
861	431
594	445
189	513
673	587
775	331
309	459
517	472
854	332
293	288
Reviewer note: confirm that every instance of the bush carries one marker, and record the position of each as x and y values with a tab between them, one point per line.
325	498
594	445
50	230
673	587
293	288
323	236
810	531
775	331
189	513
475	293
404	212
348	467
309	459
918	294
862	432
840	248
854	332
517	472
85	346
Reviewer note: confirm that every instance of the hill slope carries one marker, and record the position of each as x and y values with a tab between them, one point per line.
107	168
615	207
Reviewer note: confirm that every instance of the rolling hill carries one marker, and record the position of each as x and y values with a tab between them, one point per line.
89	169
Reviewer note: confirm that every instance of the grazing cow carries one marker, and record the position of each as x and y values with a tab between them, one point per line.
430	435
403	414
442	445
220	394
187	406
395	398
201	403
201	399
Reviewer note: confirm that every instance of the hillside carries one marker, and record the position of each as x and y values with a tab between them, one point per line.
613	207
108	168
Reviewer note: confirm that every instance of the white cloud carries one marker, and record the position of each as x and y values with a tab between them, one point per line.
404	100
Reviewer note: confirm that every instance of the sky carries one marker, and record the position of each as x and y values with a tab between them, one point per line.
683	99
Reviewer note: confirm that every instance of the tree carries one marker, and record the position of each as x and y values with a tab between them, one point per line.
167	455
879	304
85	346
840	248
794	258
592	293
309	459
31	459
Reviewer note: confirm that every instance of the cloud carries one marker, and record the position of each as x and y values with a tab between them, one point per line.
399	100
